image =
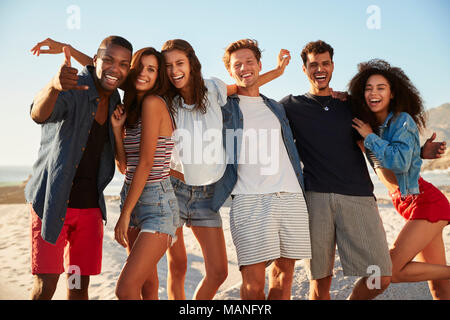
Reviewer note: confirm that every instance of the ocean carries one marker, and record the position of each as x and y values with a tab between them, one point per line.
13	175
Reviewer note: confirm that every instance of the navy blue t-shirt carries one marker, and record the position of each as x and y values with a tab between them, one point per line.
326	142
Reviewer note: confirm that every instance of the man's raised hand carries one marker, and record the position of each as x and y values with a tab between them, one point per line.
433	150
67	78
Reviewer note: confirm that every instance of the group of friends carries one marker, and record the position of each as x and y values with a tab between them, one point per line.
319	196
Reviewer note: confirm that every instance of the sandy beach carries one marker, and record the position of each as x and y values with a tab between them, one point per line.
16	279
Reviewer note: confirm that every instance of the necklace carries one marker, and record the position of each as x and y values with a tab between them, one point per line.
323	105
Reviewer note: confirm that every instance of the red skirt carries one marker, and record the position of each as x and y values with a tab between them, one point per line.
430	204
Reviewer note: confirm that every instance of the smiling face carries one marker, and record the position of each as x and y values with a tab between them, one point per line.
378	95
112	65
244	68
178	68
319	69
146	78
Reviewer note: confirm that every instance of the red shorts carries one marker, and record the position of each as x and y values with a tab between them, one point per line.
77	249
430	204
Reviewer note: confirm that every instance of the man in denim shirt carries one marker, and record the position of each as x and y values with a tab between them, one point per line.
268	216
75	163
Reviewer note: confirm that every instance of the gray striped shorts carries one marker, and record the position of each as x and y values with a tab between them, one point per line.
265	227
354	224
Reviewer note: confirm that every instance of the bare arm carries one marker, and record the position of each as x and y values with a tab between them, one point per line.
65	79
117	122
283	60
55	47
284	57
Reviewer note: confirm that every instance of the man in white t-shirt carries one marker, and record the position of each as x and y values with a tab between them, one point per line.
268	216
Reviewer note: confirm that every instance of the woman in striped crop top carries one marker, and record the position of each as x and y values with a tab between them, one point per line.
149	212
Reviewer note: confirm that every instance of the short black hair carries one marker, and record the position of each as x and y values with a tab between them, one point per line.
316	47
117	40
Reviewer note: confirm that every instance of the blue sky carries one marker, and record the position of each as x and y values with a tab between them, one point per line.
412	35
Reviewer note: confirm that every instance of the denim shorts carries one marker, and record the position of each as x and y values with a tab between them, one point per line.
195	205
156	209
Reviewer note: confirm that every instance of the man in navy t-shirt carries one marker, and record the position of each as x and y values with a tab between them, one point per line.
339	192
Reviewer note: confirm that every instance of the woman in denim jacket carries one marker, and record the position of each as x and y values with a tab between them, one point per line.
393	113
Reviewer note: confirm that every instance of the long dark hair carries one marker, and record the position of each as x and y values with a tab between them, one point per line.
406	96
132	108
196	79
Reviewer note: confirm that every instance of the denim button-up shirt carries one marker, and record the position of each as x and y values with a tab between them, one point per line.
233	123
63	138
398	149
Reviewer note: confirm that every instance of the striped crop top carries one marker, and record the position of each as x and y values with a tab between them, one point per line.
161	161
373	161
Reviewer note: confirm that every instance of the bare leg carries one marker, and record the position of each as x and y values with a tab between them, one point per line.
362	292
44	286
140	267
320	289
415	236
253	281
80	293
150	286
434	253
280	280
177	266
212	242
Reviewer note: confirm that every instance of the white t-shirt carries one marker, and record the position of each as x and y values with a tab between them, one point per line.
199	152
263	165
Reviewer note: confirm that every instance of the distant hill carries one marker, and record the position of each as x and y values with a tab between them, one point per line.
438	120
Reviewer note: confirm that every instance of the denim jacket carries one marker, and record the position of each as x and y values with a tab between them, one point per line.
233	123
398	149
63	137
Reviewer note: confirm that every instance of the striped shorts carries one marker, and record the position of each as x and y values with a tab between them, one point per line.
354	224
265	227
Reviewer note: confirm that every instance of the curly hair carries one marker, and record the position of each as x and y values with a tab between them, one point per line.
316	47
406	96
198	84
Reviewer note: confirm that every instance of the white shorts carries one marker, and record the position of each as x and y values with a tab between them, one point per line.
265	227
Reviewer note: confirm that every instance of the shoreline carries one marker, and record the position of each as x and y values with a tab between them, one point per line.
13	193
